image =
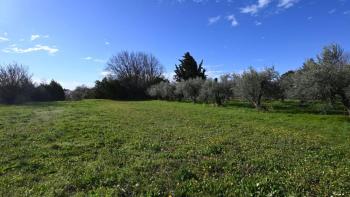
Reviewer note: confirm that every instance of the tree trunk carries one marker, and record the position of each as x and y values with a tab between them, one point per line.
333	101
259	101
218	100
345	101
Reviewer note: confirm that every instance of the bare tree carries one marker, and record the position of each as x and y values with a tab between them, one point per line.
136	70
15	84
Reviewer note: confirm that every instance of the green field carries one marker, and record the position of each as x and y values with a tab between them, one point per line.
156	148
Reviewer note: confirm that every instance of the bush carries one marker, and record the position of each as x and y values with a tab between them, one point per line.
163	90
48	92
189	89
80	93
110	89
214	91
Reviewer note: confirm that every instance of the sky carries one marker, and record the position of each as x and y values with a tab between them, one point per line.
71	41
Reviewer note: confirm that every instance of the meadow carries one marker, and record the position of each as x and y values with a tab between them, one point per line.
159	148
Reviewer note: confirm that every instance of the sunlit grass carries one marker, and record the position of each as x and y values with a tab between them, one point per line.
159	148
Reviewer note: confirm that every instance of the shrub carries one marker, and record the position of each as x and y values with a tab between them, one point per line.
163	90
109	88
214	91
189	89
80	93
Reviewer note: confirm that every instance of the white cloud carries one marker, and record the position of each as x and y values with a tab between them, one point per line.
258	23
332	11
94	59
287	3
107	43
3	39
169	75
36	36
38	47
71	85
253	9
105	73
213	20
232	20
215	73
87	58
100	60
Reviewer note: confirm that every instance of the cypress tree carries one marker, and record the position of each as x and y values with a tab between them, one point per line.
189	69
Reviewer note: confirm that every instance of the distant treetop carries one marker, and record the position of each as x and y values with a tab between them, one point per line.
189	69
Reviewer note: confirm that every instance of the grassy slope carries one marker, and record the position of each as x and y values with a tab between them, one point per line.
159	148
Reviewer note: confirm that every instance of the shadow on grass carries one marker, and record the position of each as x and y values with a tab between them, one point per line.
294	107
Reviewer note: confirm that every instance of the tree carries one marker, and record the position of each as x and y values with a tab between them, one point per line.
190	89
253	85
135	71
328	76
304	88
189	69
163	90
286	83
216	91
48	92
56	91
109	88
80	93
15	84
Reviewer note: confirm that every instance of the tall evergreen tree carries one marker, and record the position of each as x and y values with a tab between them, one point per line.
56	91
189	69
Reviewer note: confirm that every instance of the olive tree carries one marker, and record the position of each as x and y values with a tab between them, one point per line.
162	90
190	89
327	77
15	84
253	85
286	84
217	91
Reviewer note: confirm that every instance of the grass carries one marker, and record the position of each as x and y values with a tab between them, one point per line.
156	148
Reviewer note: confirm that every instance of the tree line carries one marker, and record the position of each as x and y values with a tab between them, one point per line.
138	75
16	86
325	78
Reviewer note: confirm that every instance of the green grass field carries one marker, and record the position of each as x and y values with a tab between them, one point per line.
155	148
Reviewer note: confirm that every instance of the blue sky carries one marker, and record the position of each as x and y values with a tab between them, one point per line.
70	41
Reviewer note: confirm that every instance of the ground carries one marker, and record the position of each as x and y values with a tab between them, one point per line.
157	148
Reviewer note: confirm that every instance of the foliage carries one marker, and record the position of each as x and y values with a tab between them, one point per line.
135	72
286	84
80	93
109	88
253	85
214	91
15	84
163	90
190	89
327	77
48	92
189	69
